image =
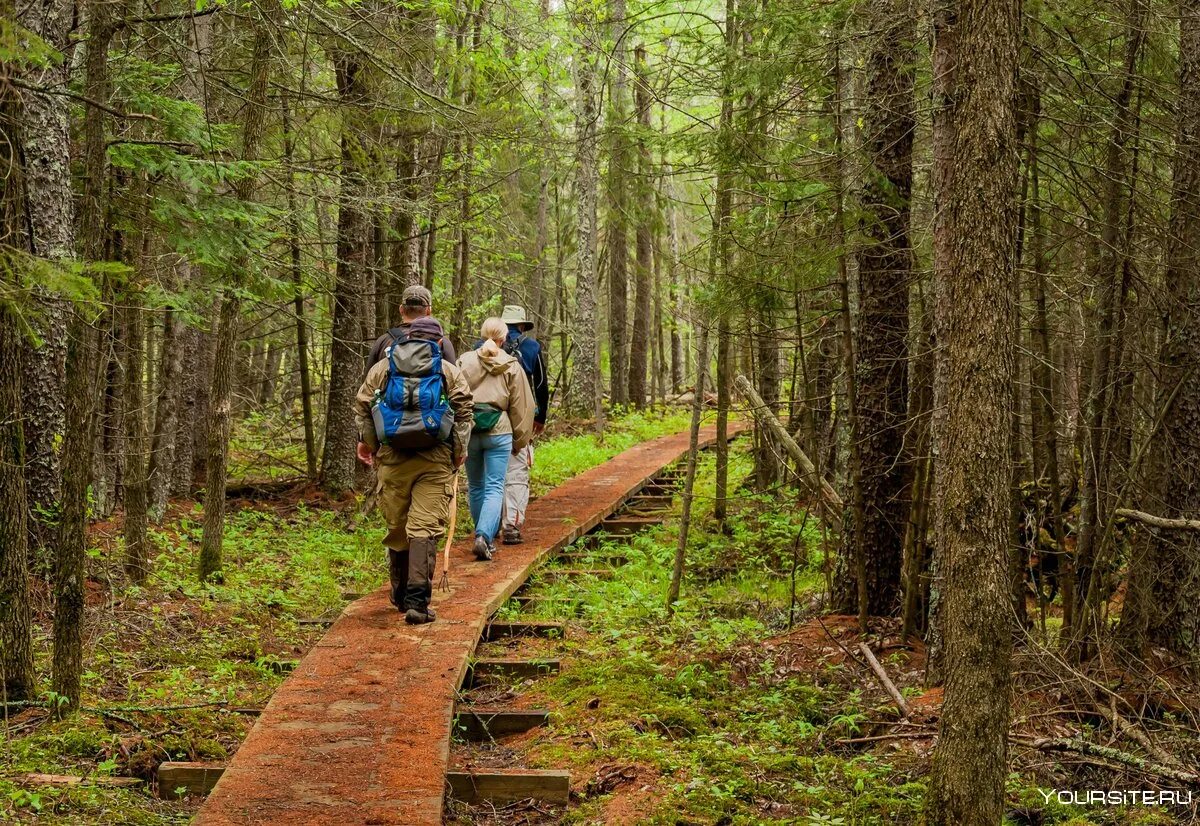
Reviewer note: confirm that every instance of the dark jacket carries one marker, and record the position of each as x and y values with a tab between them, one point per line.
529	351
427	327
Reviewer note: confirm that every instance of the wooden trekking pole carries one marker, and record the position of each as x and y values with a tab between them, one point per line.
444	582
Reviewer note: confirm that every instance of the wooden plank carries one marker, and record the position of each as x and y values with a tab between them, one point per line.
596	540
194	778
37	779
510	785
661	500
479	725
499	630
485	670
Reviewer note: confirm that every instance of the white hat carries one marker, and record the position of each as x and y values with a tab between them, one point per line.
514	316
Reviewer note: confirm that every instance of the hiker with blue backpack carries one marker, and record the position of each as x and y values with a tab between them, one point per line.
502	426
415	415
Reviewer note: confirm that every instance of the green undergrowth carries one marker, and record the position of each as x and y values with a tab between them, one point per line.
170	668
698	707
733	709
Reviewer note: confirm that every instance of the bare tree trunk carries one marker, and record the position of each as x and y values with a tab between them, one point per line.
18	680
975	60
345	361
166	413
134	527
689	484
226	332
82	369
45	143
884	276
639	344
585	398
306	404
617	224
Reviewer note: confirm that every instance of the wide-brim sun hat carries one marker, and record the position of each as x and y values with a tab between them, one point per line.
514	316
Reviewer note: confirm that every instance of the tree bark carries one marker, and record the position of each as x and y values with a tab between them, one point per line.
18	680
975	60
225	333
884	276
616	233
345	360
166	413
134	525
585	399
639	344
49	207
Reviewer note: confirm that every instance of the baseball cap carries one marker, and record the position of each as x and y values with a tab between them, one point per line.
417	296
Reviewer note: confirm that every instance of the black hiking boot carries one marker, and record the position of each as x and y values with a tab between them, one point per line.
512	536
419	616
483	549
398	576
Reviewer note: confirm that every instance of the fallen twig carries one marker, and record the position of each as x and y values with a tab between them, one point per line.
896	735
1124	758
1159	521
884	680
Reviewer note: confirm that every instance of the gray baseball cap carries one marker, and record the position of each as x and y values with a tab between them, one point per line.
417	296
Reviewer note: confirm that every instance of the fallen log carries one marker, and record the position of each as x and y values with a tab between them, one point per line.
762	413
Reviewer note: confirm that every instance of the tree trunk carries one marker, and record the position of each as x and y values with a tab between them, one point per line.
134	526
639	344
585	399
45	143
345	360
884	276
225	333
689	483
975	60
166	413
1162	606
18	680
306	405
616	234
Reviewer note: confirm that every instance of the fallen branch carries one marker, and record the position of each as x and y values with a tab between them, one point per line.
833	502
1123	726
896	735
884	680
1124	758
1159	521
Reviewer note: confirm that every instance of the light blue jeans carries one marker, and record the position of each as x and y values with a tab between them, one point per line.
487	463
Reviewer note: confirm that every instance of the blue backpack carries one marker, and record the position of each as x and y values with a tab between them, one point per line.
412	411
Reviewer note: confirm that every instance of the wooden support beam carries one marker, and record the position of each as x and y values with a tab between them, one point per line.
496	630
589	558
193	778
596	540
629	524
650	501
510	785
491	670
480	725
558	607
572	573
657	489
315	622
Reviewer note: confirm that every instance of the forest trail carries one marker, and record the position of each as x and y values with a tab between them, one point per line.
360	732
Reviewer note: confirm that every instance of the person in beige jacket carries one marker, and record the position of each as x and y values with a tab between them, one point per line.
503	426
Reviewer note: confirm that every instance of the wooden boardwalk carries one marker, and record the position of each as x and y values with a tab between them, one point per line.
360	731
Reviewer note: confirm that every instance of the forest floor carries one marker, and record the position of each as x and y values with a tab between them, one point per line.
748	705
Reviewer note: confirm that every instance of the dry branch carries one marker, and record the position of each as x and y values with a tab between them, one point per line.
810	477
1124	758
1159	521
884	680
